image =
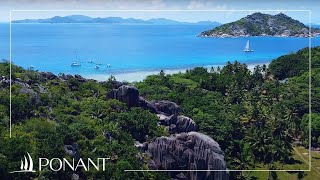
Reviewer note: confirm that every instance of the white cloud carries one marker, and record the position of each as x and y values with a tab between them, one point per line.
196	5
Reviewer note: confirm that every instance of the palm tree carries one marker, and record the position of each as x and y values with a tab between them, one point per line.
259	140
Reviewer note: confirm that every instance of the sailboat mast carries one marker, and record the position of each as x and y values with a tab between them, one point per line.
247	48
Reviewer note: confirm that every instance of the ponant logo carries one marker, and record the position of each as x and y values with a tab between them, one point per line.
63	164
26	165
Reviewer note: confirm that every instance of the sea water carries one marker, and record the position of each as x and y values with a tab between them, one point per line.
133	51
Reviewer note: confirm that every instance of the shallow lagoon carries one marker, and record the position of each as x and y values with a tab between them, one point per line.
133	51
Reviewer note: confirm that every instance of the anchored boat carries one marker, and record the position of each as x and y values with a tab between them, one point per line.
247	48
75	64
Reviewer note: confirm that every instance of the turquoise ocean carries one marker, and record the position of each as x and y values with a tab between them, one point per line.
133	51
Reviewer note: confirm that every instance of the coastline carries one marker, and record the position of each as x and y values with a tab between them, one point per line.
140	75
315	35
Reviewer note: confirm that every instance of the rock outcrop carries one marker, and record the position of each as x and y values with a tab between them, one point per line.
146	105
177	123
185	124
80	78
167	107
130	95
48	75
188	151
4	82
65	77
165	120
117	84
126	94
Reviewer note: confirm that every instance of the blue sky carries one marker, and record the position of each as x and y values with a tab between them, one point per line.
222	16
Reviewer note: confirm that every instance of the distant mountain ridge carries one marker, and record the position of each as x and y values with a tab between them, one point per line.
109	20
259	24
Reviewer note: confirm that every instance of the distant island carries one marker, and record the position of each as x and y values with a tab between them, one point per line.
111	20
259	24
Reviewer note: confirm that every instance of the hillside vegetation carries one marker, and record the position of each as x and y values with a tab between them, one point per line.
254	116
259	24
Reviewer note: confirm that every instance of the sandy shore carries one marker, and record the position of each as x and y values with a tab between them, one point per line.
140	75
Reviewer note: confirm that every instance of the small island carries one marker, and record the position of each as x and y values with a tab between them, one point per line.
259	24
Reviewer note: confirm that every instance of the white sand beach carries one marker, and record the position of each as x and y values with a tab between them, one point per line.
140	75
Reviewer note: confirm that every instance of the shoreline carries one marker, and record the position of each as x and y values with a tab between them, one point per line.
141	75
316	35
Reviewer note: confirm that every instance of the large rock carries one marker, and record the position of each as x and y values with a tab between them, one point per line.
21	83
189	151
4	82
130	95
42	89
26	89
126	94
147	105
29	91
48	75
117	84
80	78
65	77
177	123
167	107
166	120
185	124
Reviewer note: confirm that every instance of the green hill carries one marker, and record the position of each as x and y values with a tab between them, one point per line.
259	24
257	120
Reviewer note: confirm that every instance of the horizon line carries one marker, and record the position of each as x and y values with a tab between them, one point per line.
151	10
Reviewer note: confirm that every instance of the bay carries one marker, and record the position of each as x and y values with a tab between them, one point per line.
133	51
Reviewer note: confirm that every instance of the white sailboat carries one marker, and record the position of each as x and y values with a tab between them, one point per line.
247	48
75	63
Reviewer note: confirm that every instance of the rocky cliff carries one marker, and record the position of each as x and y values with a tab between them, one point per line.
188	151
185	149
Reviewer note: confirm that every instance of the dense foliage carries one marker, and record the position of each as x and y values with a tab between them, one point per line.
295	64
252	115
49	114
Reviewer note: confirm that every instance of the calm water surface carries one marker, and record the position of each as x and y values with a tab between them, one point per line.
132	48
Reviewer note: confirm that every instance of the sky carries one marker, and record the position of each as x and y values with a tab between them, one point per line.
37	9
